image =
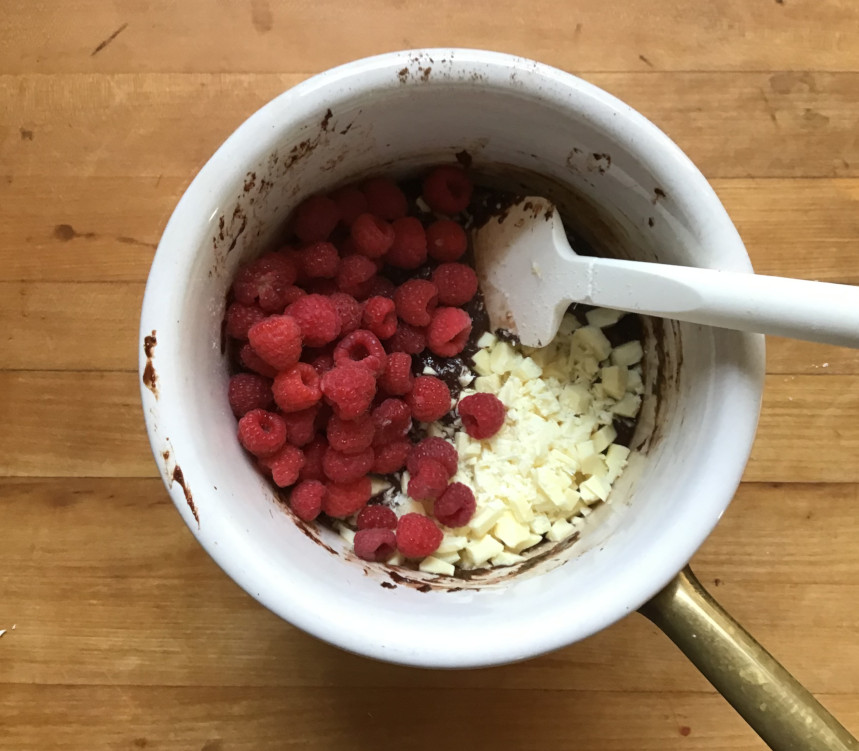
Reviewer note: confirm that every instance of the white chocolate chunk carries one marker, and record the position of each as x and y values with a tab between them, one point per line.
603	438
592	340
616	459
614	379
593	489
509	531
603	317
527	369
560	531
481	362
477	552
451	544
433	565
486	340
530	542
488	384
540	524
506	559
485	519
627	354
628	406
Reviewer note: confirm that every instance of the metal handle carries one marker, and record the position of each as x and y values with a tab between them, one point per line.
770	699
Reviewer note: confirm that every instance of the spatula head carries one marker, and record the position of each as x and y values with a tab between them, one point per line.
517	256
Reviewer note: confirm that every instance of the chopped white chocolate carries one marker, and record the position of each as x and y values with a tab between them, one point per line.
555	456
432	565
627	354
628	406
592	340
603	438
506	559
614	379
510	531
477	552
560	531
603	317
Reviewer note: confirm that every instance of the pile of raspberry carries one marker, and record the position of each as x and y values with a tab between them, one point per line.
328	394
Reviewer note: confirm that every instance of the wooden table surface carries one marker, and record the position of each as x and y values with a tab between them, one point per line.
122	634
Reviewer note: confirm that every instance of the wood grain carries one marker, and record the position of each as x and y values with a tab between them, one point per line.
261	36
127	635
117	126
227	718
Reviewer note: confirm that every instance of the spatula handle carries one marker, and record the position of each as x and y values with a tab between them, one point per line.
814	311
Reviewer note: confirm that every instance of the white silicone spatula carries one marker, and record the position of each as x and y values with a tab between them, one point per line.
529	275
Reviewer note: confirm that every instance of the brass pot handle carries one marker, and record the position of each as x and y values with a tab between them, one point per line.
784	714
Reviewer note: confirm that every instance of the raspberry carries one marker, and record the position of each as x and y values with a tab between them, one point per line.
249	391
397	378
391	457
340	467
375	544
482	415
277	340
447	189
297	388
407	338
409	249
349	389
239	318
349	310
354	272
301	426
436	449
306	499
379	286
429	398
429	482
320	260
416	301
313	453
316	218
252	361
351	203
385	199
392	420
380	316
446	240
448	333
266	281
344	499
322	364
318	319
291	294
285	465
376	517
372	236
350	436
417	536
262	433
455	506
361	347
456	282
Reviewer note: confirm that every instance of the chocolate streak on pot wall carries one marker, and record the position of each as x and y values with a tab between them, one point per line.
150	377
179	479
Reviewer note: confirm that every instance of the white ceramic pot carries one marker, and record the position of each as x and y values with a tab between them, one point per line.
396	112
621	183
